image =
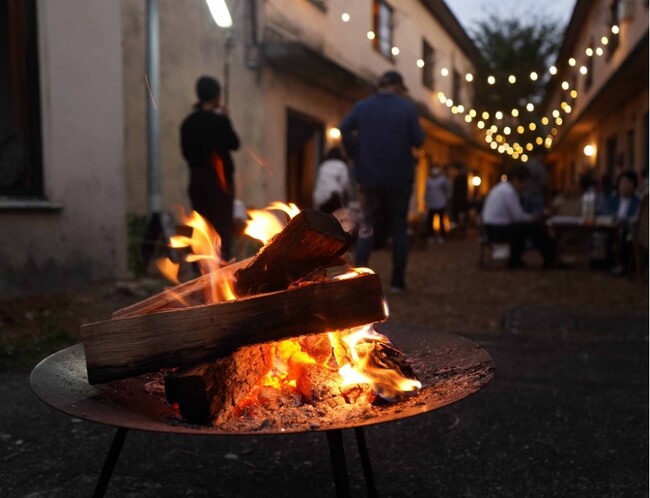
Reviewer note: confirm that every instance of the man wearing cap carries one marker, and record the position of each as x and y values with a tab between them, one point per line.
379	134
207	137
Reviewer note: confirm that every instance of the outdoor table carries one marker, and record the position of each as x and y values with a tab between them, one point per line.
450	368
574	228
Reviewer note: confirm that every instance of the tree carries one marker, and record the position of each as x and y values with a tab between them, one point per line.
513	48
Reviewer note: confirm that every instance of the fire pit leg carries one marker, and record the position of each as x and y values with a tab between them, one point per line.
111	460
365	462
337	456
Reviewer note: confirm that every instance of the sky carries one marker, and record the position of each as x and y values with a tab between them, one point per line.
468	12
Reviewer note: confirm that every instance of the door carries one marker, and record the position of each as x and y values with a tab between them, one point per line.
304	153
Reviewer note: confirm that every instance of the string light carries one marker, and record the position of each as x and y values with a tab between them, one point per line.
512	79
530	107
469	77
419	63
533	76
491	80
371	35
444	71
615	29
498	115
345	17
394	51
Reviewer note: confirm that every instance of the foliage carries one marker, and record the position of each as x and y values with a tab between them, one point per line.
511	47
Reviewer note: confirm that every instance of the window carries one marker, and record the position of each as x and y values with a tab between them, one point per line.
428	57
20	133
382	23
455	89
615	20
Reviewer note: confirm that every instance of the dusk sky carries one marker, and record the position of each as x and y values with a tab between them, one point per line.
469	12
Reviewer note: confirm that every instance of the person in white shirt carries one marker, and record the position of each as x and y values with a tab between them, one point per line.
506	221
436	196
332	185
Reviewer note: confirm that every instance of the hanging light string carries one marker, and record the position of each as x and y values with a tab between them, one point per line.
501	128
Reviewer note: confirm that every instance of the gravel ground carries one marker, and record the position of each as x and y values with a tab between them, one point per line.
565	415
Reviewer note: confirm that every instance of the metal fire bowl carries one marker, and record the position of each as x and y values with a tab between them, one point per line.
450	368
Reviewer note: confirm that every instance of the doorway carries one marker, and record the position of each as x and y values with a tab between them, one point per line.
304	153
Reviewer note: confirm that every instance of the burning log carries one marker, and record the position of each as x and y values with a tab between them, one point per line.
123	347
310	241
265	385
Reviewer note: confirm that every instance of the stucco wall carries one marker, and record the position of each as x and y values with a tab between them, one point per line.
84	238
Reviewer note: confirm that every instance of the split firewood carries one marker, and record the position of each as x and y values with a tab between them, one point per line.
123	347
211	391
191	292
311	240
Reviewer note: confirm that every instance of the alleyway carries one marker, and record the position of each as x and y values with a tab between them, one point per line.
566	414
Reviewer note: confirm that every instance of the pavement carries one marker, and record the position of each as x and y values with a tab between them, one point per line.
566	415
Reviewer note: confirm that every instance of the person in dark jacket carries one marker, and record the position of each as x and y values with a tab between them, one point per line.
207	137
379	134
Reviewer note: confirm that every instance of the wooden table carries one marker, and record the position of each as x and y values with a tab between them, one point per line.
573	231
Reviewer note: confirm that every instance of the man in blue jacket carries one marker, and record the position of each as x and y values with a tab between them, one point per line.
380	133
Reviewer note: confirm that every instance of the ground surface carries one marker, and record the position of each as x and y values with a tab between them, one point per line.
566	414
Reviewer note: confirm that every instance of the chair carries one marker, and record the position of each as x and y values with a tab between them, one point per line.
640	239
496	251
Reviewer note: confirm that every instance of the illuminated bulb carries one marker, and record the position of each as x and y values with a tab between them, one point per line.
472	113
345	17
419	63
524	158
529	146
604	40
572	62
589	51
520	129
335	133
533	76
589	150
498	115
394	51
552	70
371	35
532	126
599	51
530	107
493	145
493	128
615	29
469	77
515	113
574	94
501	149
468	118
488	138
461	108
511	79
554	131
485	115
563	105
507	130
476	181
444	71
499	138
583	70
565	85
556	113
539	140
454	109
491	80
558	121
567	109
480	125
544	120
514	154
449	103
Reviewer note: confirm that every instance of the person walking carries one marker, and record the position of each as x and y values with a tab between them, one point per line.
379	134
332	186
207	137
436	196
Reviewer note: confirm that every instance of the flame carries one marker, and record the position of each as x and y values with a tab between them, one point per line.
390	384
264	224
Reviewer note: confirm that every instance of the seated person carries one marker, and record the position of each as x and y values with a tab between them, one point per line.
506	221
623	205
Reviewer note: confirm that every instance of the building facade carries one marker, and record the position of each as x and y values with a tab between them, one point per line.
603	79
291	70
62	169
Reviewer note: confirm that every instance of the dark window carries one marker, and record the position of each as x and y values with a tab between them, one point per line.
615	19
428	57
20	134
589	78
455	89
382	25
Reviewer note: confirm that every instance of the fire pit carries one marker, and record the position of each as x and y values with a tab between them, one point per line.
448	366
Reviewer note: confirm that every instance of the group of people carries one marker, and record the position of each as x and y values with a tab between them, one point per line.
378	135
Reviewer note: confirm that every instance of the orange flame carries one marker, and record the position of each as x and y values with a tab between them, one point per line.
265	224
387	383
